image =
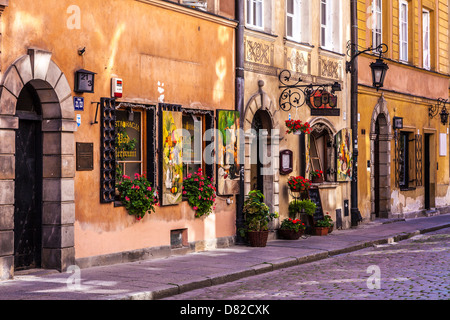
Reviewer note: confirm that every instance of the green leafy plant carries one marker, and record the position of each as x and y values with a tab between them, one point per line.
137	195
297	206
256	213
325	222
292	224
200	193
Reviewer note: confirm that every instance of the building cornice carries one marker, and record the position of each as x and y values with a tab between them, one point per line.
183	9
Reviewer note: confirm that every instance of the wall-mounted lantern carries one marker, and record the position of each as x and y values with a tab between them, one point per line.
84	81
379	68
398	123
434	110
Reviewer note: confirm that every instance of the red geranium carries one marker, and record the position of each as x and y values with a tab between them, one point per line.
299	183
297	125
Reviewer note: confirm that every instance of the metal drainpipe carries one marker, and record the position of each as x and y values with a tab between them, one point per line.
355	214
239	106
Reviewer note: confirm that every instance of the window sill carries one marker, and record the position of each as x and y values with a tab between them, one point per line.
331	51
261	31
325	184
297	42
407	188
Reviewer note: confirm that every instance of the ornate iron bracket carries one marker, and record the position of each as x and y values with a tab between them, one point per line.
352	51
296	95
434	110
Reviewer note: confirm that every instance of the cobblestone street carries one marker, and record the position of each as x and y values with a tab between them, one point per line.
417	268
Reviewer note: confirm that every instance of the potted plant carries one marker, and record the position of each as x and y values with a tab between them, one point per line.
299	184
303	209
317	176
291	229
257	217
137	195
297	127
327	218
321	226
200	193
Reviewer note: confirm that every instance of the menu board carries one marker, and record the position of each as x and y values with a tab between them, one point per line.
314	196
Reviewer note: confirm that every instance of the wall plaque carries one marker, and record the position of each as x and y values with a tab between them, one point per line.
85	156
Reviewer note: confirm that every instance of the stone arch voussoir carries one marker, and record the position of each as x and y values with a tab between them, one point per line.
58	127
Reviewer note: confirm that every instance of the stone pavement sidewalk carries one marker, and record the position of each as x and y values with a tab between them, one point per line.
158	278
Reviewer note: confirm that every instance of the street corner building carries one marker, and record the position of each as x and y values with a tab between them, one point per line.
403	129
91	93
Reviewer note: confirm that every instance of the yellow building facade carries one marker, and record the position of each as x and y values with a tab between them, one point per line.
403	165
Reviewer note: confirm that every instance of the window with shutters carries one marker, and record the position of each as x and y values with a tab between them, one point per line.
135	145
330	26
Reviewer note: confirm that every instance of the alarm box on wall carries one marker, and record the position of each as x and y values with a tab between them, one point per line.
116	88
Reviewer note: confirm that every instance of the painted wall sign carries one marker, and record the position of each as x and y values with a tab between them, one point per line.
78	119
344	158
228	146
172	164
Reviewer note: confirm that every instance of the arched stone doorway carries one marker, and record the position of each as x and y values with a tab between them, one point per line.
261	113
380	159
53	110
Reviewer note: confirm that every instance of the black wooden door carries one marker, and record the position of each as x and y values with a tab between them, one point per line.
28	196
427	165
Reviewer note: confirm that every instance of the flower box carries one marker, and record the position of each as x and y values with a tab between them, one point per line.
297	127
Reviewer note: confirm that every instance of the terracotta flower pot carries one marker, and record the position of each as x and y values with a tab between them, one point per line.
317	179
321	231
290	234
258	238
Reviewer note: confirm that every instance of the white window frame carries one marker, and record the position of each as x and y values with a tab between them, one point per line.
377	17
323	24
251	5
426	38
330	29
403	30
295	16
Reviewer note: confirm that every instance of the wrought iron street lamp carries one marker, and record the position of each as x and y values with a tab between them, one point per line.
434	110
378	67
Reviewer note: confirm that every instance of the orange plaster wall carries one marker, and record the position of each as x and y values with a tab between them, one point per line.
143	45
405	79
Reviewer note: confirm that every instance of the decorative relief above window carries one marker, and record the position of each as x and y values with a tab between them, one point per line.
330	68
297	61
259	56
